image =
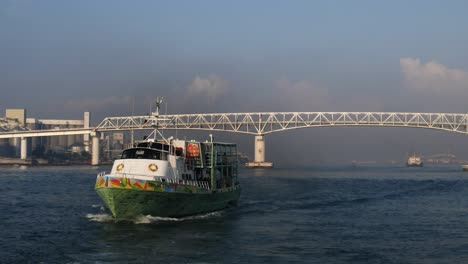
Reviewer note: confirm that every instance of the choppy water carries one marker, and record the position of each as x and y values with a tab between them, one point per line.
342	214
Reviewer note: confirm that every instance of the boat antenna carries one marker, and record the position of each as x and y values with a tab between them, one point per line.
159	101
155	117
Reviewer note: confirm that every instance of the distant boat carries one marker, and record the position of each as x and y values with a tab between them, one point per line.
465	167
414	161
263	164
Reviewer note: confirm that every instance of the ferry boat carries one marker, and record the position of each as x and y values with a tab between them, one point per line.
171	178
414	161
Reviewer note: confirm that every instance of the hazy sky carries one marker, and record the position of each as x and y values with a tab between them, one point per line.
61	58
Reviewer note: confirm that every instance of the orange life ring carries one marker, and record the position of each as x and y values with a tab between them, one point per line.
193	150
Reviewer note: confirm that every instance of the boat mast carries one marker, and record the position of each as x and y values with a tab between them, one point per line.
132	139
155	115
159	100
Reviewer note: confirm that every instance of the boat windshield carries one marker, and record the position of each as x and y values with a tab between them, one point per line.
143	153
161	147
154	145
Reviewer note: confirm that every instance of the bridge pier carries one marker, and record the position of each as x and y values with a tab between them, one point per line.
86	136
95	152
259	154
24	148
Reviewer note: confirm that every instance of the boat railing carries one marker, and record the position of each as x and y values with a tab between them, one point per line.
199	184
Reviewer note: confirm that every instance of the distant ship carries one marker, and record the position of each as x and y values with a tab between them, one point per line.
414	161
263	164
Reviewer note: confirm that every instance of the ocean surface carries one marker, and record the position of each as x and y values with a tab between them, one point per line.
323	214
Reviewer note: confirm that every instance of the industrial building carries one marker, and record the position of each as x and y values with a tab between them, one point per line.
17	120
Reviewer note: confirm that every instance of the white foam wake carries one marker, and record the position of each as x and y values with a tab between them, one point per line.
148	219
102	218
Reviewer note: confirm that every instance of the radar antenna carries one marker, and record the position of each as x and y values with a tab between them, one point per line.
159	101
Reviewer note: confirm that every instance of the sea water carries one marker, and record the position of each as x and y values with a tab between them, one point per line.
321	214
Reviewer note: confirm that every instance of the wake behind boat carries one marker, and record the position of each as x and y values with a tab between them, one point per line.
171	178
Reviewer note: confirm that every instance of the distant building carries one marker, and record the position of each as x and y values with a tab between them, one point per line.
16	119
118	140
19	115
64	142
115	145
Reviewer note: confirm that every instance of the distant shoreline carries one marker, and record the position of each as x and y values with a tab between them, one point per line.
5	161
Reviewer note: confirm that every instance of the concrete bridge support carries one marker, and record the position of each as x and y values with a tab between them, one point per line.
259	154
95	152
259	149
86	136
24	148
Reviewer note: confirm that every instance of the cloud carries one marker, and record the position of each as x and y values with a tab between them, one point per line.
211	87
302	94
432	76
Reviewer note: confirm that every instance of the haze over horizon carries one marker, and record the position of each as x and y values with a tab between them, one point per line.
59	59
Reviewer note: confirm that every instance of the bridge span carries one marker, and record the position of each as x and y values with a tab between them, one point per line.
260	124
266	123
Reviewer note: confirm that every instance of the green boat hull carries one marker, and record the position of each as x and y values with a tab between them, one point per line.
126	204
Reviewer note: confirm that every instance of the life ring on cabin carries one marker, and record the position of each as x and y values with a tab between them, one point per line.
120	167
193	150
152	167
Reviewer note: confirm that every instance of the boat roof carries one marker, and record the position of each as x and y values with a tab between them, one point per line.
162	141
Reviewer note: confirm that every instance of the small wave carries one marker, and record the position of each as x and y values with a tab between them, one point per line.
255	204
102	218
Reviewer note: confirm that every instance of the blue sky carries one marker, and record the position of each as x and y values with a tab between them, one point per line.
61	58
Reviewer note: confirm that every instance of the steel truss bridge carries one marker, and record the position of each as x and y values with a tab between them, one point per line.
258	124
266	123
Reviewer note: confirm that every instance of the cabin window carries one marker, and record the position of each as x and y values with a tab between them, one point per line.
140	153
179	152
142	145
154	145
